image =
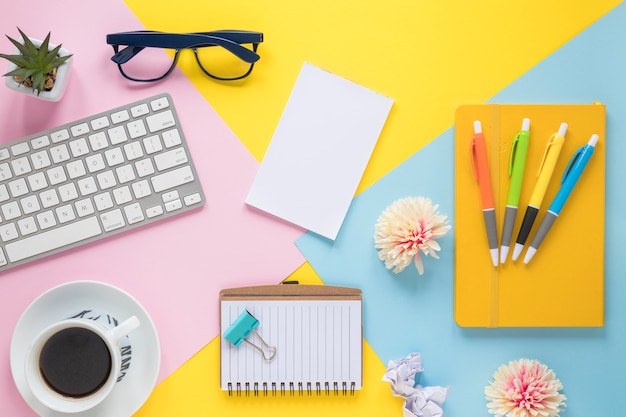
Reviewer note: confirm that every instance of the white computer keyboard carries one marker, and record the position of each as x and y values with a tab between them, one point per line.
93	178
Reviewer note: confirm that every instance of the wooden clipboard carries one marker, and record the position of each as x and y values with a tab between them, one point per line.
317	331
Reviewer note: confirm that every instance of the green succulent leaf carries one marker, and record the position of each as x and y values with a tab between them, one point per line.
18	60
43	50
39	81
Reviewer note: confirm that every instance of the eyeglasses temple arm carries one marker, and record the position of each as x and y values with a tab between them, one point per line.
179	41
126	54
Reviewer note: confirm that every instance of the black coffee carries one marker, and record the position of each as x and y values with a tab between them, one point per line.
75	362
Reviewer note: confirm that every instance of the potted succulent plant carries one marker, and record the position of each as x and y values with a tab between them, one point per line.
38	68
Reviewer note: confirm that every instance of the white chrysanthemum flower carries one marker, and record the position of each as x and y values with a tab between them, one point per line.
524	388
405	229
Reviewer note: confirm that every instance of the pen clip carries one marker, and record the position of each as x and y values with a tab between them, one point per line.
546	151
571	163
473	157
512	154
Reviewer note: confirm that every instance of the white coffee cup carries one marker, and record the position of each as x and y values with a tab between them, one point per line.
61	332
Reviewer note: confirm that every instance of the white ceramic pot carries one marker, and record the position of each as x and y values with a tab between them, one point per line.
60	84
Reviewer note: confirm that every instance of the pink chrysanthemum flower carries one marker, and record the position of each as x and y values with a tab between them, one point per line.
524	388
407	228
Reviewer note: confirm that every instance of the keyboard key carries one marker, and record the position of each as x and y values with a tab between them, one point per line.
4	193
84	207
106	180
125	174
68	192
134	214
65	213
49	198
8	232
160	121
171	138
170	159
79	129
103	201
37	181
136	129
114	156
95	163
56	175
159	104
59	135
117	135
98	141
79	147
141	189
21	166
154	211
172	179
76	169
40	142
144	167
87	186
112	220
11	210
20	148
30	204
5	171
120	116
140	110
60	153
192	199
100	123
46	219
170	196
27	226
40	160
18	187
53	239
152	144
173	205
133	151
122	195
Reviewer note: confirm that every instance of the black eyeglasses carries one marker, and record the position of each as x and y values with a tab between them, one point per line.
146	55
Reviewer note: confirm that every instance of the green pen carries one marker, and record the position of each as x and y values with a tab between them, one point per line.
517	160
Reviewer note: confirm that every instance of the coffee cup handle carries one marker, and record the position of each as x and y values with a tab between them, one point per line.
123	329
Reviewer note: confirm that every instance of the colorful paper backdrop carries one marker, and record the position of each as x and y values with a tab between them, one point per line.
430	57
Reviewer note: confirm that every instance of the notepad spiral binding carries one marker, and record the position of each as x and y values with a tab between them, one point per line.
291	388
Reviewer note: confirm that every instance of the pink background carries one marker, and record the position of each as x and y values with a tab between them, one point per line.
174	268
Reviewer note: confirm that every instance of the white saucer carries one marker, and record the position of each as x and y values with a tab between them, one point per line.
69	299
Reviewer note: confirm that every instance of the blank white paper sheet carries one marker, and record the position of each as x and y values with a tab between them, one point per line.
319	151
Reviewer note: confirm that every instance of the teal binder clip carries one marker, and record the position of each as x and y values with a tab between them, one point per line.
239	331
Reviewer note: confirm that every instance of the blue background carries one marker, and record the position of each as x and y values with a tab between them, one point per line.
407	312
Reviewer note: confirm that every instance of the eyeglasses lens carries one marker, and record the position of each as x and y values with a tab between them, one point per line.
221	63
149	64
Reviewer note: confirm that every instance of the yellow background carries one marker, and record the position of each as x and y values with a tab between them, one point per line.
429	56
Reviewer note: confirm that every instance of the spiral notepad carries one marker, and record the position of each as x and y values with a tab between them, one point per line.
317	333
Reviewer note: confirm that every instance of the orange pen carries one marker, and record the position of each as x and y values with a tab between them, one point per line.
480	166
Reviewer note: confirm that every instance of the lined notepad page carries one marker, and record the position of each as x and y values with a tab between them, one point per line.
318	346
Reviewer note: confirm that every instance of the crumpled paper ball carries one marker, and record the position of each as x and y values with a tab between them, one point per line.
419	401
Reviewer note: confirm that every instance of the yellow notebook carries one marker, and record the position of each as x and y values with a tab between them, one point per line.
563	284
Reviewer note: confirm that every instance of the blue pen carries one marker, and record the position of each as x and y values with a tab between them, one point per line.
572	173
